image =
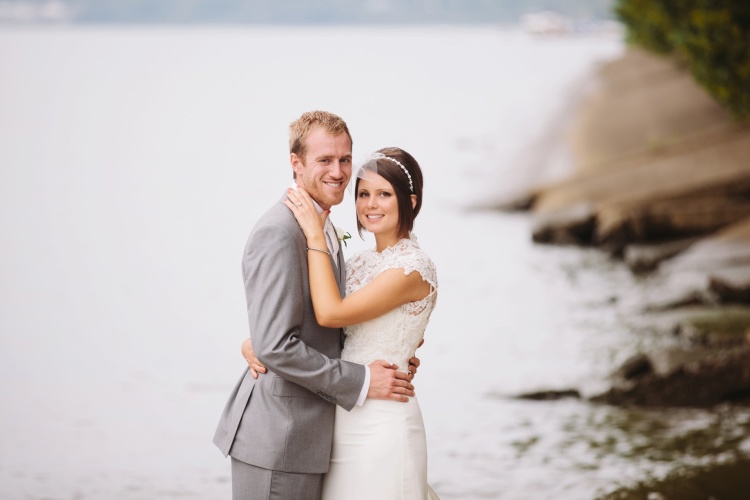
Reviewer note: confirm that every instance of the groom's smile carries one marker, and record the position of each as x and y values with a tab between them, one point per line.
326	167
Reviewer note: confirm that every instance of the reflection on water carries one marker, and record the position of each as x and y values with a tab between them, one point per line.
134	162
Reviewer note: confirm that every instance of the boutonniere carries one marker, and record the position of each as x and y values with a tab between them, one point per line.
342	235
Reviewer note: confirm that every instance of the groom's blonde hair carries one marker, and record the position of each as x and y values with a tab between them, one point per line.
300	129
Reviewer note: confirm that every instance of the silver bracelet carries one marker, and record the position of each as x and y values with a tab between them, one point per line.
320	250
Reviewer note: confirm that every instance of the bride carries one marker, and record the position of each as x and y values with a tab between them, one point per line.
379	448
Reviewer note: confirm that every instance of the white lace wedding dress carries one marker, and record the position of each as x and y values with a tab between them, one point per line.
379	449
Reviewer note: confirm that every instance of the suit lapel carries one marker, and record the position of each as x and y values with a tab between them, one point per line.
341	269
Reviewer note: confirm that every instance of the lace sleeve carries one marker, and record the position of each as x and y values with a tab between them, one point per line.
412	259
363	267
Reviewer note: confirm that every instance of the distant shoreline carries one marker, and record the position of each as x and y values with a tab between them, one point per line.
296	11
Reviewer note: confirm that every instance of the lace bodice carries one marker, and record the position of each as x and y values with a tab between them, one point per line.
395	335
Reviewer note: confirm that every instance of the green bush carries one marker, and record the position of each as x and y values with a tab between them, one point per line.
711	36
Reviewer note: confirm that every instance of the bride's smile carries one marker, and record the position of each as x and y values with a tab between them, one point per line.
377	207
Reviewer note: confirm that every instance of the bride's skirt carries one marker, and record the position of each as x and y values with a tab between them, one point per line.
379	452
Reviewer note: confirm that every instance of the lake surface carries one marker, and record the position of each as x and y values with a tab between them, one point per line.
133	163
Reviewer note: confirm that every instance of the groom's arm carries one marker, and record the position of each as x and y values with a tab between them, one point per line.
274	283
274	289
257	368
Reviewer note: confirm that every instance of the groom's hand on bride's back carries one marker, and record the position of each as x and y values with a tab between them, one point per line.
386	382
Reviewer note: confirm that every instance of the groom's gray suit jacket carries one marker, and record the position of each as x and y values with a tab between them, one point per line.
284	419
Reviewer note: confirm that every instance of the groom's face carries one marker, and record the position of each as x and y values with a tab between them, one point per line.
326	167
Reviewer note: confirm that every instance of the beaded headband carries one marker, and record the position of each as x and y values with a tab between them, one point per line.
380	156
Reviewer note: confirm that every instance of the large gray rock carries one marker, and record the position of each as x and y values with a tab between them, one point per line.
691	187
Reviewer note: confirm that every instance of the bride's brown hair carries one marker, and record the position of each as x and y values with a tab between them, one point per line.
402	186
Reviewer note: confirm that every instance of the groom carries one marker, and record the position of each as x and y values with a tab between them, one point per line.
278	428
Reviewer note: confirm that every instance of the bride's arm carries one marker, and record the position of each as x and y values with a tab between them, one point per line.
387	291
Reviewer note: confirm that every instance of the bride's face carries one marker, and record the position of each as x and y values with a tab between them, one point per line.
377	205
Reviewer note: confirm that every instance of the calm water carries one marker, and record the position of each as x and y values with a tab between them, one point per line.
133	163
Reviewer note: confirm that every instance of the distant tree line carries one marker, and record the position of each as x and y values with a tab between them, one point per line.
711	37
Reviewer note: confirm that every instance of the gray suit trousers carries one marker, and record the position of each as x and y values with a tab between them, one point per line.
254	483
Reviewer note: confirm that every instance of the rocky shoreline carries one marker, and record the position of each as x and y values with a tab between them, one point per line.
662	181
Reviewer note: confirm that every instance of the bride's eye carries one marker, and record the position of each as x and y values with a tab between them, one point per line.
362	194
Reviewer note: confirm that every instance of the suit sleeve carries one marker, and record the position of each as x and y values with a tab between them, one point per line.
274	289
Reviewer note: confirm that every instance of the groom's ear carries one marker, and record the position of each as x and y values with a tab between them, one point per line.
296	162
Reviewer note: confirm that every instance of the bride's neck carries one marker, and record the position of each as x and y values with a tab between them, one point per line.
383	241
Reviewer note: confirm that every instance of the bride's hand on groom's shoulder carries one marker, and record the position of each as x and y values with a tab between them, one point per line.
304	210
256	366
